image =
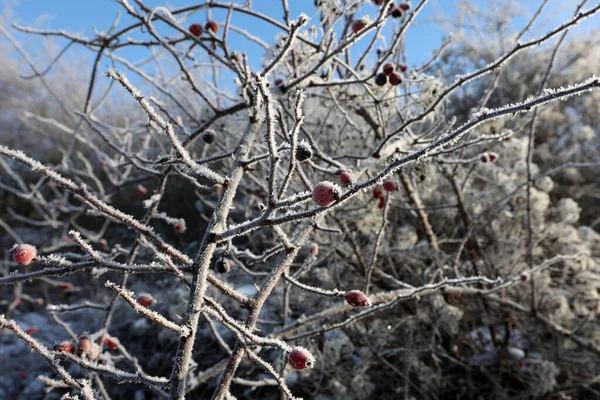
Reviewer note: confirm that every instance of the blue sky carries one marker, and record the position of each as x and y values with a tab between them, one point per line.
81	16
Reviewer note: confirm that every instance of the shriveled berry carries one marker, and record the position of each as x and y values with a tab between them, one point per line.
208	137
395	79
224	266
403	67
278	82
300	358
212	26
196	29
145	300
381	204
314	249
345	178
358	25
390	186
381	79
103	242
388	68
326	193
218	188
356	298
303	151
404	6
23	254
31	330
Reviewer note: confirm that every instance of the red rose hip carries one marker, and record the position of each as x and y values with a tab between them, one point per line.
358	25
377	193
356	298
300	358
326	193
345	178
395	79
196	29
388	68
23	254
145	300
212	26
390	186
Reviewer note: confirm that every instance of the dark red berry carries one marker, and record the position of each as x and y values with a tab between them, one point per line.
523	277
224	266
300	358
278	82
356	298
395	79
31	330
403	67
381	204
358	25
381	79
326	193
196	29
378	2
390	186
303	151
145	300
404	6
180	226
208	137
377	192
345	178
212	26
388	68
